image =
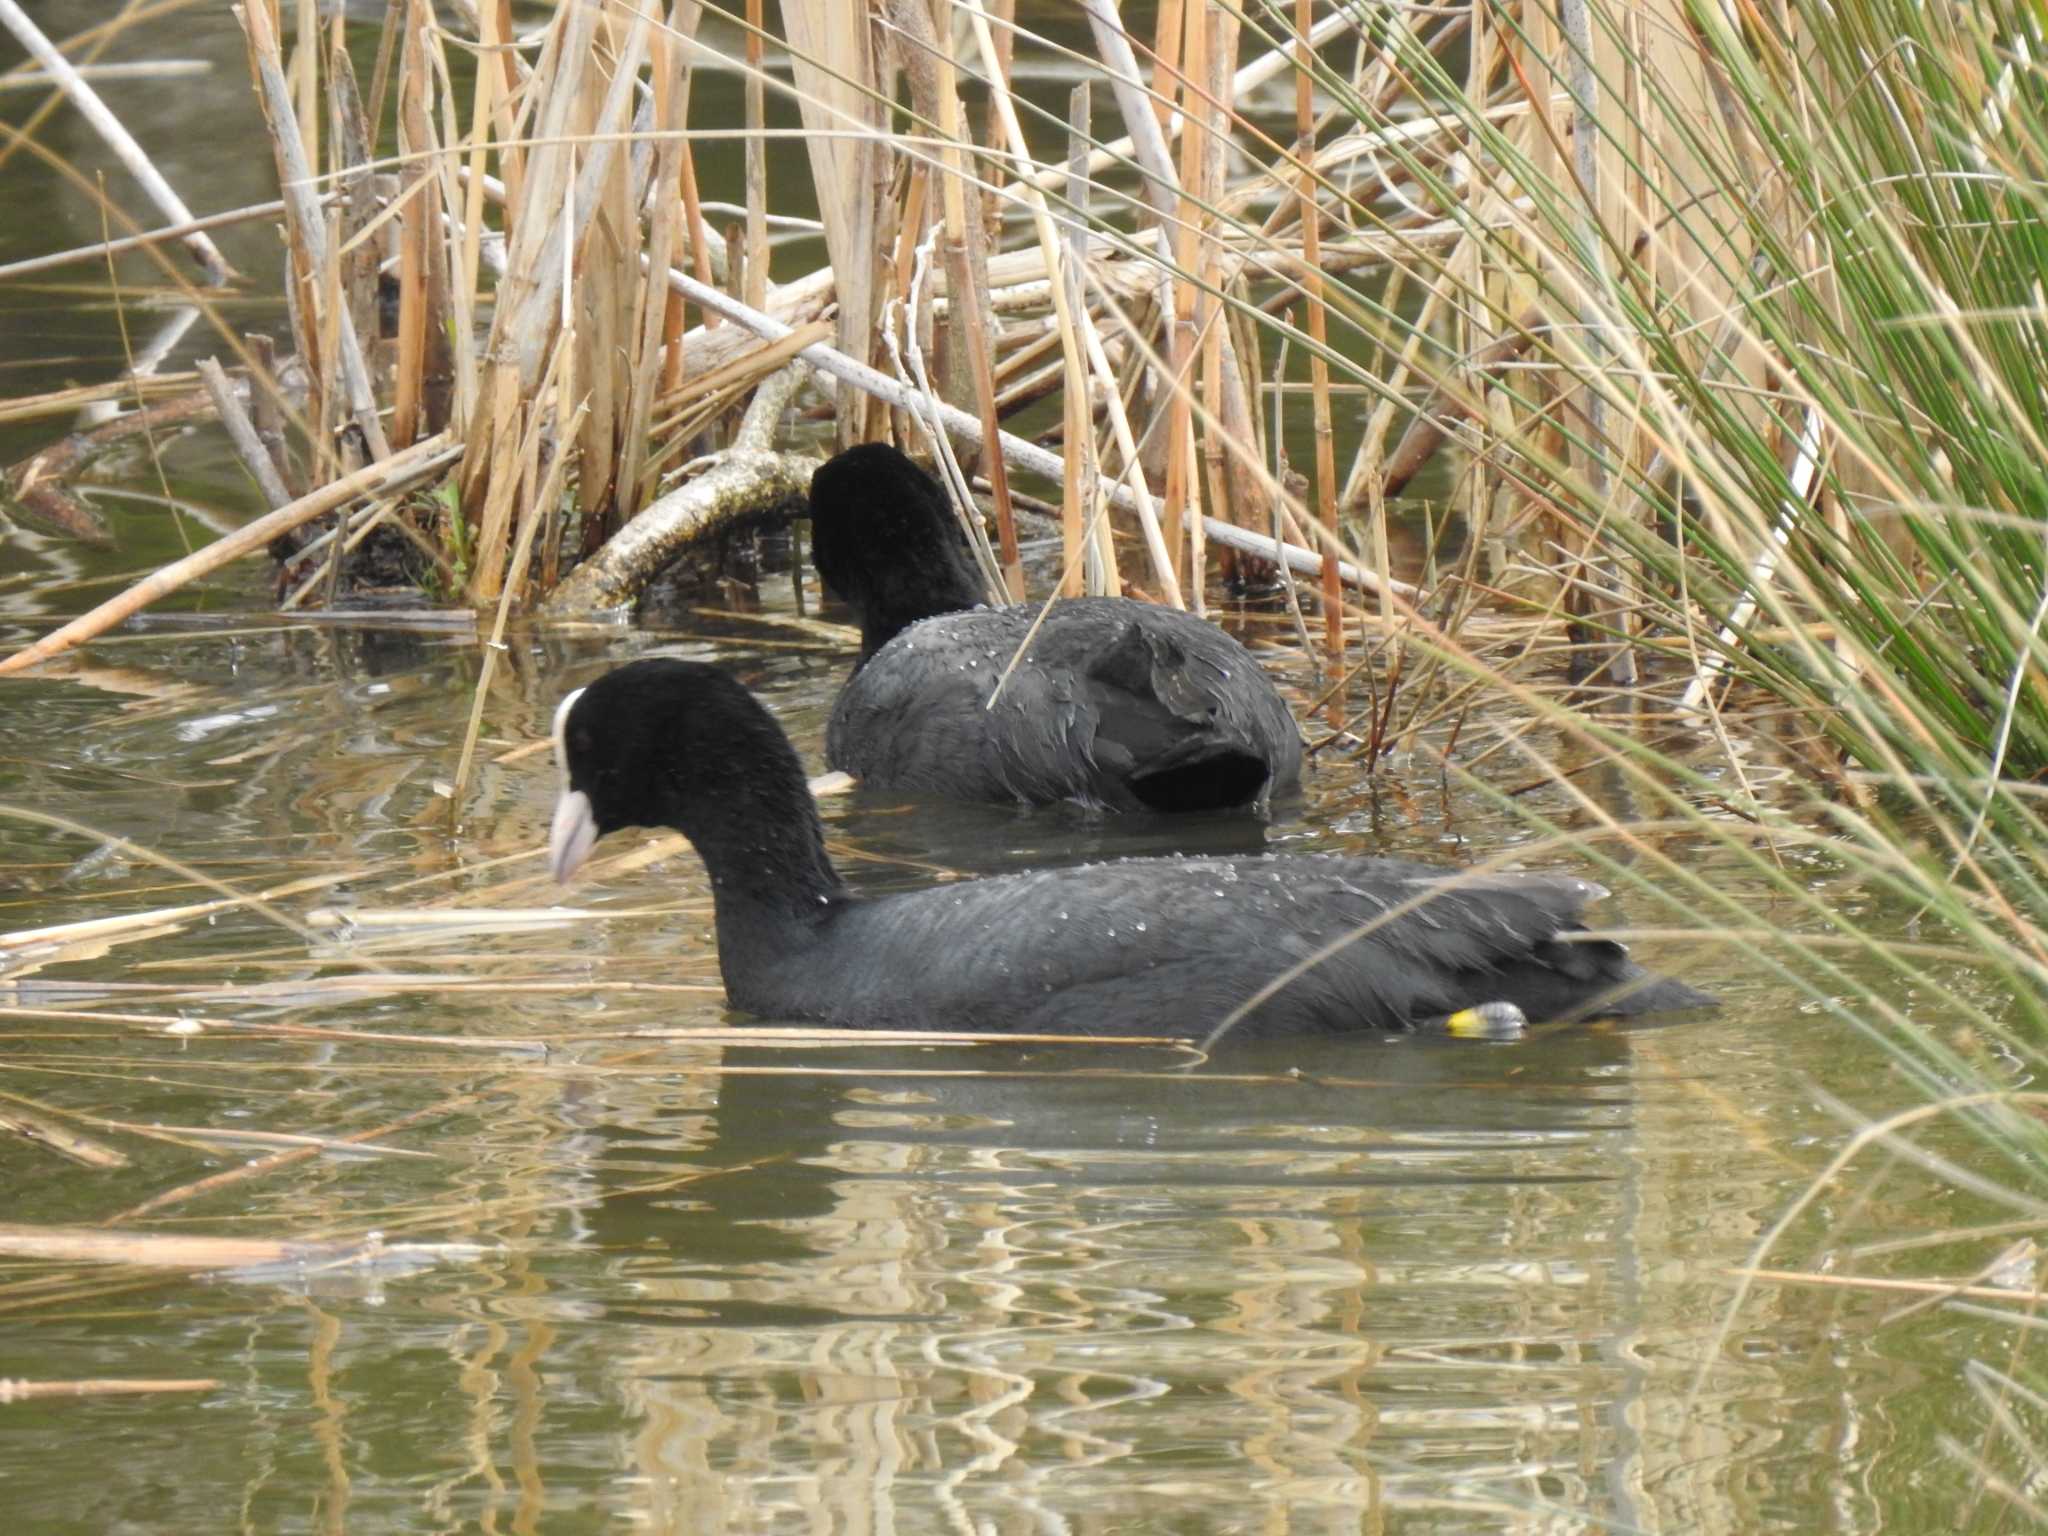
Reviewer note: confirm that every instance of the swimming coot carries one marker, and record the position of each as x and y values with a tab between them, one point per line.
1117	704
1141	947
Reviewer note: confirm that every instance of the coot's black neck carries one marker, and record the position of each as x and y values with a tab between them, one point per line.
760	840
771	887
924	584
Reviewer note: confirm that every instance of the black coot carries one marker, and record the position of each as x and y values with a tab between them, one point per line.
1117	704
1141	947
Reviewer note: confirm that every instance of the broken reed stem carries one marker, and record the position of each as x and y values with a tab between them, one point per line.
401	471
652	301
419	232
756	291
968	321
1318	332
1181	496
1218	48
1079	492
242	434
1068	317
380	71
684	17
1611	655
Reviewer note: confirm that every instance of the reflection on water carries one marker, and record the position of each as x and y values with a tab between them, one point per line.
1364	1285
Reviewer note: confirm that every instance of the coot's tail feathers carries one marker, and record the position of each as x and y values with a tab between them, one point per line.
1565	972
1556	984
1174	733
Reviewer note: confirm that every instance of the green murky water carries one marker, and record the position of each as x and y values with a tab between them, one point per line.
1356	1286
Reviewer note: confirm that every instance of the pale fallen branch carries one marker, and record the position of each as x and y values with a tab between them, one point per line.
748	481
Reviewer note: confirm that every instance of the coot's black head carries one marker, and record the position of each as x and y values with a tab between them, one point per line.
884	538
668	743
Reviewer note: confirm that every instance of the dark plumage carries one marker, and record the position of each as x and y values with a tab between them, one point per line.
1141	947
1117	704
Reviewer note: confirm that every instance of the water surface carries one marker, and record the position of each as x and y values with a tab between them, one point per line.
1364	1284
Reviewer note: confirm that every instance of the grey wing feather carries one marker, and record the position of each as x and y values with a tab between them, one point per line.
1108	694
1171	947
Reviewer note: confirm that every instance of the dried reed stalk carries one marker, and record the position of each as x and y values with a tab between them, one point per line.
561	194
755	289
522	551
931	70
1174	80
837	64
315	283
423	282
1318	333
1080	493
1068	317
